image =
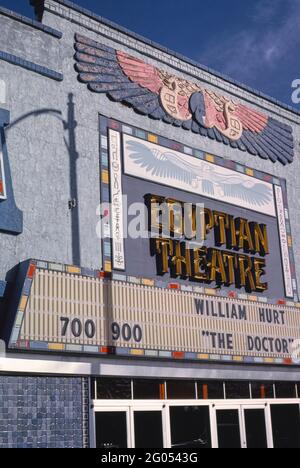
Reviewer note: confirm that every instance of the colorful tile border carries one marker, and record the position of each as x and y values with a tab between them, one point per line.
106	124
34	346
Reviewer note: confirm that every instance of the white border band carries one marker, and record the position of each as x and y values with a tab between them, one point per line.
116	192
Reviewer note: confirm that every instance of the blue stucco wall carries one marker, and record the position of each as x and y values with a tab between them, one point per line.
43	412
53	138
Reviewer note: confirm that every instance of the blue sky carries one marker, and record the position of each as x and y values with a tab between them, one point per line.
256	42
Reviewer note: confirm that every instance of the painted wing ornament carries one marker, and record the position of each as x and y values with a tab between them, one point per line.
212	182
162	96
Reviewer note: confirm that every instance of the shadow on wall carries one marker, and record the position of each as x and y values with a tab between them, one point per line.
69	126
9	304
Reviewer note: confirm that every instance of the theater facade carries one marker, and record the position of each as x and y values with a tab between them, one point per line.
149	248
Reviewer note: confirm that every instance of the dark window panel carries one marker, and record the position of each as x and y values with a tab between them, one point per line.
181	390
190	427
111	430
237	390
229	434
211	390
113	389
285	390
256	429
262	390
148	429
148	390
286	426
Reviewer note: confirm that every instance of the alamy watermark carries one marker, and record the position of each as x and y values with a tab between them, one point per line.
153	219
296	92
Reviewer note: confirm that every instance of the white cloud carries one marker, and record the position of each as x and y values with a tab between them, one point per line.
272	32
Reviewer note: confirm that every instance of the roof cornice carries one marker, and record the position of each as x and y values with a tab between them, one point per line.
39	6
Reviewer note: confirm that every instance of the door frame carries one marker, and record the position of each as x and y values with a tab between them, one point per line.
240	408
129	406
214	425
268	421
109	409
158	407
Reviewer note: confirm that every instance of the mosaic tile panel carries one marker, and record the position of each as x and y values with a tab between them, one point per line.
43	412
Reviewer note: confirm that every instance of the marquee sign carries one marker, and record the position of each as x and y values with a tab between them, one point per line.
68	309
129	309
247	244
207	265
163	96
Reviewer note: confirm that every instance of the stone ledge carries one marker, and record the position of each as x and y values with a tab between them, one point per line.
44	71
30	22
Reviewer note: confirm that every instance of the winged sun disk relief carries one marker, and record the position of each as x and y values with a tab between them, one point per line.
163	96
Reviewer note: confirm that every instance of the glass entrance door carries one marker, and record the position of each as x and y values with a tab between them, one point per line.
256	428
112	429
184	424
190	427
286	426
135	426
242	426
130	427
229	425
148	429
